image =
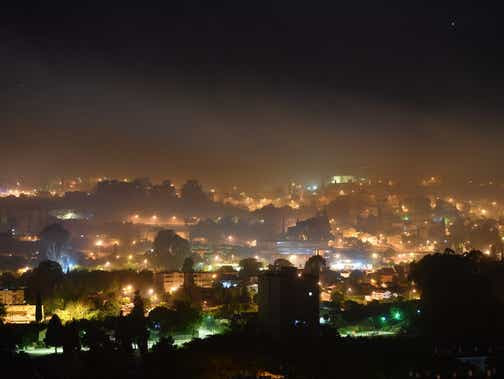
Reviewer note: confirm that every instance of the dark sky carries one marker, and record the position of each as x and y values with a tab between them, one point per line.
250	92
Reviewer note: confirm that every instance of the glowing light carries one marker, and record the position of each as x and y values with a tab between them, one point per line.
173	289
130	257
99	243
128	289
374	255
107	264
23	270
150	291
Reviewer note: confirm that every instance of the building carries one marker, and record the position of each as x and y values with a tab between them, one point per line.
172	280
204	279
20	313
175	279
12	296
17	312
288	299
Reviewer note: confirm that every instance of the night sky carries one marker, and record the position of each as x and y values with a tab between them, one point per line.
252	93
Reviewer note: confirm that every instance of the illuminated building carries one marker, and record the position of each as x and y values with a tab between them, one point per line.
12	296
20	314
175	279
343	179
16	311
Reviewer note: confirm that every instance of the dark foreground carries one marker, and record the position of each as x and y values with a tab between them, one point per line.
241	355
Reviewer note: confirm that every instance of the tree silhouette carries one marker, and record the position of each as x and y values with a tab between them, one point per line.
3	312
315	265
249	267
71	339
457	296
95	337
43	279
162	319
281	262
192	191
170	250
139	323
187	269
38	308
54	335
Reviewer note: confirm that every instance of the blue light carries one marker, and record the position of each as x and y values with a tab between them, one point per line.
226	284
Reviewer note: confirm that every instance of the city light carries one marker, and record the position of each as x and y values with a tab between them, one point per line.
173	289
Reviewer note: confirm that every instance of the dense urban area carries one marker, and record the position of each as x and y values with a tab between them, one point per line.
227	189
210	283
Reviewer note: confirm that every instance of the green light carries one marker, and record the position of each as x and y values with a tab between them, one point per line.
397	315
383	318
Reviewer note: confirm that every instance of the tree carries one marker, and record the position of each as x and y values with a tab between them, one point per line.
44	278
187	269
163	320
53	239
76	310
188	265
95	337
3	312
356	277
315	265
457	295
170	250
281	262
192	192
71	339
139	323
249	267
124	333
337	298
38	308
54	335
187	317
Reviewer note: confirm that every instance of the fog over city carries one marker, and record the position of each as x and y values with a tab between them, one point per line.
251	190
